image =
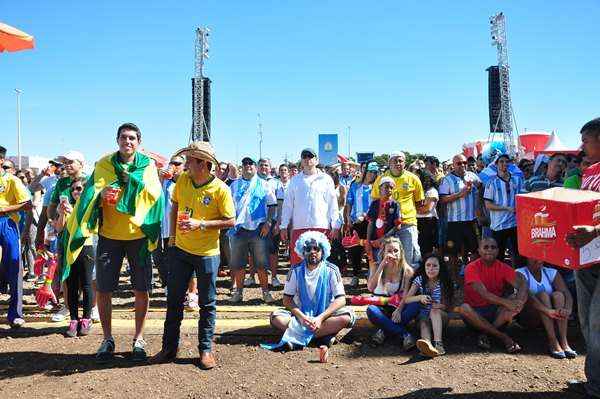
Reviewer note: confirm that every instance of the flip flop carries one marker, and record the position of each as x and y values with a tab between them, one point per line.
513	348
483	341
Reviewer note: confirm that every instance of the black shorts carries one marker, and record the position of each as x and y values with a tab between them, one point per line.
109	260
461	235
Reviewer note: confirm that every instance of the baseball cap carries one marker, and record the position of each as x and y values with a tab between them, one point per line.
72	156
248	159
373	167
308	151
395	154
388	180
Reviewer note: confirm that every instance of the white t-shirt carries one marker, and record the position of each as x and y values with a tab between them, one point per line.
335	287
168	187
431	193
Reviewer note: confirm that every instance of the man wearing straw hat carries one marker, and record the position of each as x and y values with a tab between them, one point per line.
202	205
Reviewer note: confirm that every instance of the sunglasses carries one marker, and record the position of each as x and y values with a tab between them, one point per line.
6	167
176	163
246	163
462	163
307	156
77	188
310	248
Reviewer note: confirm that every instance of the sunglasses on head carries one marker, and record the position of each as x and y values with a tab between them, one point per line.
312	247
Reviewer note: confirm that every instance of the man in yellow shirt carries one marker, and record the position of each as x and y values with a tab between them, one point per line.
408	192
130	197
202	206
14	197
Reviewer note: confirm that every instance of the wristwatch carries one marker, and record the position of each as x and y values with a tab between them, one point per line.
202	225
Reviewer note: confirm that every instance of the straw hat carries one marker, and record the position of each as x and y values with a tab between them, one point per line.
200	150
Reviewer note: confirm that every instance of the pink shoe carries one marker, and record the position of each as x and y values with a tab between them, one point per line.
86	326
72	331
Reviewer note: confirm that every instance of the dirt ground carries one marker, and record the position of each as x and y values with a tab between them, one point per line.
41	363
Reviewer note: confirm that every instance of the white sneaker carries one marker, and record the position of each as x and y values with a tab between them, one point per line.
275	283
378	337
250	280
267	297
192	302
237	297
95	316
61	315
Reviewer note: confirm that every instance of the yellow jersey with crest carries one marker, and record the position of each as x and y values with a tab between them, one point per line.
12	192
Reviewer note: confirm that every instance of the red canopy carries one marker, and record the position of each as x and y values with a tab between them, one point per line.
160	161
12	39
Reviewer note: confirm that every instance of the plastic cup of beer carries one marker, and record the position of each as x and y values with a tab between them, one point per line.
112	195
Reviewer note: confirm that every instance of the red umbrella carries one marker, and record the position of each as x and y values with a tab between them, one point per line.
12	39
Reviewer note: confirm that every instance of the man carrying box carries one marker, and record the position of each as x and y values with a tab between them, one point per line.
588	289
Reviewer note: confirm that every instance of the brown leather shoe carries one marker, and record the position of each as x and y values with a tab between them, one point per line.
163	357
207	361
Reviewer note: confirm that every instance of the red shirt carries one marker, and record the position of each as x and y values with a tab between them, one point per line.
591	178
494	278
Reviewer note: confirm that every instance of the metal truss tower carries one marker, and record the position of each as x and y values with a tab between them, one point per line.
200	90
499	40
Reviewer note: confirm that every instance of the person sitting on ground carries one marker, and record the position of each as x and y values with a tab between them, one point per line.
384	217
486	308
392	276
549	303
314	298
80	273
435	292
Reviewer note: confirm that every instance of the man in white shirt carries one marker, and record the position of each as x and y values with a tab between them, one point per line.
310	203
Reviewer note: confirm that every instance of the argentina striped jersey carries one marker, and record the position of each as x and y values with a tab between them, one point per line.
463	209
503	193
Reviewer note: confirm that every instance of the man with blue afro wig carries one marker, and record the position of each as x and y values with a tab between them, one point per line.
314	298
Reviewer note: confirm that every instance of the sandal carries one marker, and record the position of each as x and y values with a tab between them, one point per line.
513	348
483	341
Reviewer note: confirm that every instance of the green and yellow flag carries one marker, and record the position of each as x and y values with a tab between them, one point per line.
141	198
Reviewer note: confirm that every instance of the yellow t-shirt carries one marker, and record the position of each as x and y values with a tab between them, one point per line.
407	192
118	226
12	192
208	202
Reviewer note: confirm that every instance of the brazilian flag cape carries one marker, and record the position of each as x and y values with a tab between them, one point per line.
141	198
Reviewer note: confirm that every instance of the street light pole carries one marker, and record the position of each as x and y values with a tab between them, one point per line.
18	127
260	136
348	141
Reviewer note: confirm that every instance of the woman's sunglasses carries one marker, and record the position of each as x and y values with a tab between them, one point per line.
78	188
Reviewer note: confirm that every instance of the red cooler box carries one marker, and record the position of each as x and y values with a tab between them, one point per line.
544	218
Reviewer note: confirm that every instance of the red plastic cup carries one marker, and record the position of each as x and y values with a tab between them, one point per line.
112	195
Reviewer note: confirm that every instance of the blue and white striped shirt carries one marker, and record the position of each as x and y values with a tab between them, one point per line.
463	209
358	199
503	193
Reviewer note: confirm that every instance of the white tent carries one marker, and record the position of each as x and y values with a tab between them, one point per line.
554	146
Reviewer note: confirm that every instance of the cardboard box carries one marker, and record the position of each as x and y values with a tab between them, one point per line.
544	218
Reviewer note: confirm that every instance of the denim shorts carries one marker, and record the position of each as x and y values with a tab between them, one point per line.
488	312
249	242
109	260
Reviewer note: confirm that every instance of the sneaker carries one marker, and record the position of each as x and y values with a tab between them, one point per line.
426	348
61	315
40	280
408	342
17	323
29	277
275	283
192	302
106	352
138	353
85	326
95	316
439	346
249	281
378	337
237	297
48	306
266	295
354	282
72	330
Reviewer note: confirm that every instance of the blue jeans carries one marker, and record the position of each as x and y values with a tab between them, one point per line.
181	266
10	267
409	237
380	319
588	303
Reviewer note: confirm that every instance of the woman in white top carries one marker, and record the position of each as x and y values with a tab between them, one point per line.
392	276
549	303
427	217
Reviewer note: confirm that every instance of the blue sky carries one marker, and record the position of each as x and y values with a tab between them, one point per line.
404	75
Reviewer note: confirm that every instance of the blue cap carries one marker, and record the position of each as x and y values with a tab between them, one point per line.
372	167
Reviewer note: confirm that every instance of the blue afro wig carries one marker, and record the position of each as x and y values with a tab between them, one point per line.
313	237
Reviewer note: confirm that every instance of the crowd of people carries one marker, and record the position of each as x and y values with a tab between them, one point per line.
417	233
